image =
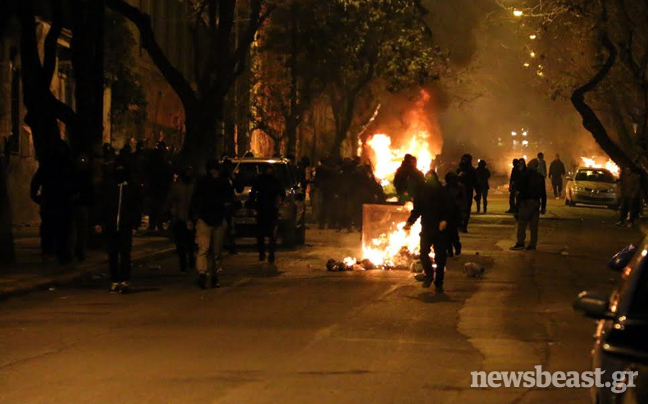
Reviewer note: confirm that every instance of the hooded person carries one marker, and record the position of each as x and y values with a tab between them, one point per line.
481	190
179	203
212	199
408	178
532	201
457	196
432	206
266	197
120	216
468	178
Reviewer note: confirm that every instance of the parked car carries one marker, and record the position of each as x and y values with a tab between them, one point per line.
621	337
592	186
292	213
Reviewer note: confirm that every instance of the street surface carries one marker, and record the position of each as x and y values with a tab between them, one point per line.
308	336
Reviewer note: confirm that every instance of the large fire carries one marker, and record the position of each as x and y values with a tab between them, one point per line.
609	165
393	246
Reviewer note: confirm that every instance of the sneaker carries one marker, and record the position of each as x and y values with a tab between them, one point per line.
114	287
517	246
427	282
124	287
531	248
458	251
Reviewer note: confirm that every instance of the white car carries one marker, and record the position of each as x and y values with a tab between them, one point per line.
592	186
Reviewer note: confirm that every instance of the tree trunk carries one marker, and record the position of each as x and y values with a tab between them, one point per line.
591	122
202	130
7	250
87	60
291	136
343	113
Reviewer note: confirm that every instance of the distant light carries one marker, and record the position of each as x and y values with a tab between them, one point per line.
526	65
513	133
532	36
532	54
644	253
540	67
525	143
524	157
524	133
518	13
540	73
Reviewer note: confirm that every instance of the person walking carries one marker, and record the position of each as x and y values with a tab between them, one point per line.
212	198
468	178
630	196
266	198
532	200
432	205
120	216
481	191
556	174
457	196
184	234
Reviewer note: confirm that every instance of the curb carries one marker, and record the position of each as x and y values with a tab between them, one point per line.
85	272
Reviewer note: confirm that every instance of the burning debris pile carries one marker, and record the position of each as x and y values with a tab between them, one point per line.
385	243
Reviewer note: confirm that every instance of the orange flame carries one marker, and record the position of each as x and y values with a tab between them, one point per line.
609	165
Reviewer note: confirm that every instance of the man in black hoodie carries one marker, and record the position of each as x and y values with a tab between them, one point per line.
120	216
468	178
532	201
213	197
266	197
432	205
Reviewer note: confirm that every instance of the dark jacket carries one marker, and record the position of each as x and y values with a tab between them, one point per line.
532	187
180	200
458	206
408	180
266	195
126	204
433	206
212	200
467	177
556	170
483	175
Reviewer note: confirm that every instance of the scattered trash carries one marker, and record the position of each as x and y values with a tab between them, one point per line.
473	270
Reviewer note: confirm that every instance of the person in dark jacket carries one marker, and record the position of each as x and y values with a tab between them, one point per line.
184	234
120	216
468	178
213	197
481	191
630	201
326	176
512	183
408	179
532	200
457	196
432	205
266	197
556	174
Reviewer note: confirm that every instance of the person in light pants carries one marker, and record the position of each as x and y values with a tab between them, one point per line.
212	199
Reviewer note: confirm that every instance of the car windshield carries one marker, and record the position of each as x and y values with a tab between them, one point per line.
595	175
245	173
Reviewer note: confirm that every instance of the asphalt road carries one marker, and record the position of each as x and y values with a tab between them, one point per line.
307	336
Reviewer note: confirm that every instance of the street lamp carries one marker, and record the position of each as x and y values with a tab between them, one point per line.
517	13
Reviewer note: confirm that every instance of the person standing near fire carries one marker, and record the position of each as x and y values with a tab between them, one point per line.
468	178
556	174
432	205
457	196
481	191
266	197
408	179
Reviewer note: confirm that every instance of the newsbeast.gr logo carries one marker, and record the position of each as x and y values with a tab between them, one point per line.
542	379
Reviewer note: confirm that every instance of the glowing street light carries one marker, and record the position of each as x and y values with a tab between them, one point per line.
524	133
526	65
518	13
513	133
532	54
532	36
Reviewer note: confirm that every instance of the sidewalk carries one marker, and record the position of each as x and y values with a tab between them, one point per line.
30	273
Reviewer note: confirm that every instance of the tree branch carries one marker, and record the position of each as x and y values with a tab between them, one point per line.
143	23
51	41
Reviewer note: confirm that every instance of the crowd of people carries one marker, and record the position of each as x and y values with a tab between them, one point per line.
339	188
102	202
